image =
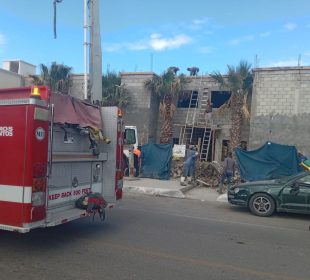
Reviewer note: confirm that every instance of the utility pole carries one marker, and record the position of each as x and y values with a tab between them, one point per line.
95	53
86	97
92	50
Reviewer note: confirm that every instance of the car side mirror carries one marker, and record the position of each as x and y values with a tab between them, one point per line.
294	189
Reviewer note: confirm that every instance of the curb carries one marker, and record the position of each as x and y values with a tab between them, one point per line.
222	198
185	189
155	191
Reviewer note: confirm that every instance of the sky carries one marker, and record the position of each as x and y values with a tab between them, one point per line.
143	35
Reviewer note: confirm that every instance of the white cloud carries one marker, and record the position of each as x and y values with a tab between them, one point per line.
197	24
234	42
285	63
155	42
265	34
290	26
137	46
200	21
111	47
158	43
249	37
208	32
238	41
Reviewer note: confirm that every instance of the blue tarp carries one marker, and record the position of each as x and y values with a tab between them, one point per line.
270	161
156	161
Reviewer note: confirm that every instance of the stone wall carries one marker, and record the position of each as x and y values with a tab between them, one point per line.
281	107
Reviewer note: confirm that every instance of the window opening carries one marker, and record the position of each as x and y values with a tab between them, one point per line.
185	99
218	98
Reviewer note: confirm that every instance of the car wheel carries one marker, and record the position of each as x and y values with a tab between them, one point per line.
262	205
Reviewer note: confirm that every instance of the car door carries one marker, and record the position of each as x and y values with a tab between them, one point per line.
296	195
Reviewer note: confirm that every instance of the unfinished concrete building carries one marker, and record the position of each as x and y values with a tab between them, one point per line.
279	105
189	124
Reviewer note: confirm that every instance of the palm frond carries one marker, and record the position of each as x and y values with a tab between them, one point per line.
56	77
167	84
167	87
113	92
217	76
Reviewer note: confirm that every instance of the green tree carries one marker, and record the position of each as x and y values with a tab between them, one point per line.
56	77
114	93
167	88
238	81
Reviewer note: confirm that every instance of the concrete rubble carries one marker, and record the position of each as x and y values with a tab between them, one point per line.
171	188
203	187
208	174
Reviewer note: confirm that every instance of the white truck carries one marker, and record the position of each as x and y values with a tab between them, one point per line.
130	143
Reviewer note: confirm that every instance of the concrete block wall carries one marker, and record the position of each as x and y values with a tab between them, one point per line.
142	110
77	86
10	79
281	107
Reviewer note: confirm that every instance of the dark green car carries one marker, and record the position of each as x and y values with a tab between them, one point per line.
263	198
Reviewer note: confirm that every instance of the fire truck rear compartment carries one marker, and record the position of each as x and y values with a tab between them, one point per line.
75	171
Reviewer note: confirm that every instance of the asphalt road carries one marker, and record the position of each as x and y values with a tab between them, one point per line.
163	238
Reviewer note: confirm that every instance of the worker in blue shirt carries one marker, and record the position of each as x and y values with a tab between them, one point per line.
189	168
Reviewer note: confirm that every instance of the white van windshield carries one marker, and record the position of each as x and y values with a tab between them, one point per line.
130	136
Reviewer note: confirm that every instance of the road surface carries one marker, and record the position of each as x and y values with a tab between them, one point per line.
163	238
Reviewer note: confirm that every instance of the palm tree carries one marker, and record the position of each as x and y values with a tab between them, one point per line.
57	77
166	87
239	81
114	93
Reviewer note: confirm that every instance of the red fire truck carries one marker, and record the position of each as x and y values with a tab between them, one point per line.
52	153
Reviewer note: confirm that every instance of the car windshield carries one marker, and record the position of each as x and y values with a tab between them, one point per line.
285	179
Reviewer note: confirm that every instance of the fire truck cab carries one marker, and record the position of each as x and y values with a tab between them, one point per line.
54	149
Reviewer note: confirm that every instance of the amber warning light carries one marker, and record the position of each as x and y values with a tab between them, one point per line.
35	93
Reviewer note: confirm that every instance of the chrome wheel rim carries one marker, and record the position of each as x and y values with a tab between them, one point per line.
262	204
